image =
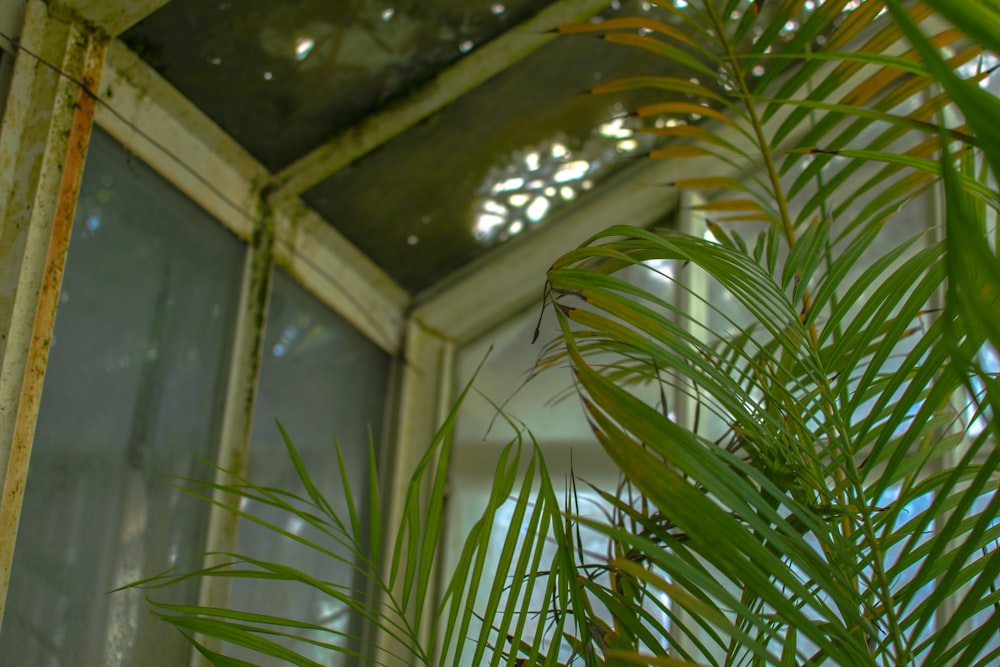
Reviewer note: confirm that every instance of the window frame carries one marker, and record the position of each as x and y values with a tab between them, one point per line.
153	121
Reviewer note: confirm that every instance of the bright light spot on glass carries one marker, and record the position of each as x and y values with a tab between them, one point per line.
498	8
680	4
791	26
539	207
645	6
303	47
661	269
989	361
93	222
466	46
487	223
558	150
387	13
645	31
518	200
532	161
571	171
758	70
295	525
587	184
491	206
536	184
986	62
709	236
550	191
567	193
412	239
508	185
268	76
674	122
627	145
516	228
615	129
616	5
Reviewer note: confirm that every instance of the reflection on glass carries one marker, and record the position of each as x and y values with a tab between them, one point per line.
322	380
133	394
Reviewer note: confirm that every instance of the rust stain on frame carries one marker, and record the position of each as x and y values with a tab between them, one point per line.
72	162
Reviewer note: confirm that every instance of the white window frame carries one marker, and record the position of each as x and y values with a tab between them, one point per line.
161	127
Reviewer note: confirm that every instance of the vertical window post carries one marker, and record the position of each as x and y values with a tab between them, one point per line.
43	142
237	417
425	393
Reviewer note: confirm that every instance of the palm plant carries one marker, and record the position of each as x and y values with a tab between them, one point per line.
846	512
827	494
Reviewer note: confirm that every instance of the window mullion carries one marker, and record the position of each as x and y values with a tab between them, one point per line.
237	415
43	142
425	395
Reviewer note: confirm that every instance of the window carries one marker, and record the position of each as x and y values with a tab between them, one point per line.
133	392
322	380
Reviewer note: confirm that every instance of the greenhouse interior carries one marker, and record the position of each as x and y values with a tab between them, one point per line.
243	222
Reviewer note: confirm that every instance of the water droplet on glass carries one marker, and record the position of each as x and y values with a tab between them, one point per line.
303	47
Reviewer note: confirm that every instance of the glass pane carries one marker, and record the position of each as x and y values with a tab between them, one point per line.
312	67
322	380
499	162
133	392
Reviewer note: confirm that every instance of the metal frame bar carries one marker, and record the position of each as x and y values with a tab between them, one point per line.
45	134
237	414
112	16
425	394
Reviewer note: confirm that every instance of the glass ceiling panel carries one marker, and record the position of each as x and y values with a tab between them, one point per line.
497	162
282	77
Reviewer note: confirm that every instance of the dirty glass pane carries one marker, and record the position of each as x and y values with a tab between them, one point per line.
322	380
499	162
133	392
311	67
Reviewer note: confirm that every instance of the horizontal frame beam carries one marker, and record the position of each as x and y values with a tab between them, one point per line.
112	16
